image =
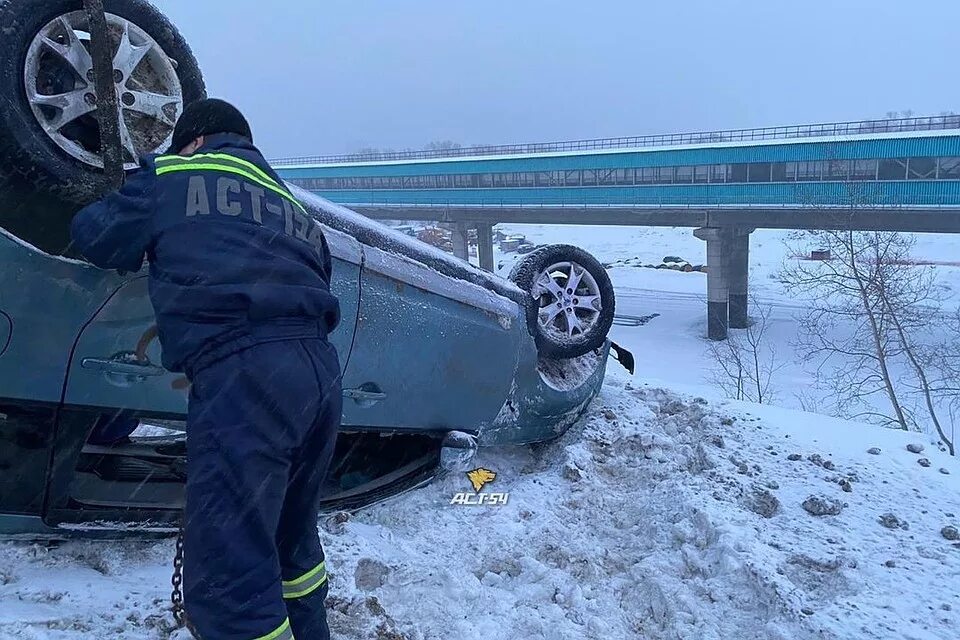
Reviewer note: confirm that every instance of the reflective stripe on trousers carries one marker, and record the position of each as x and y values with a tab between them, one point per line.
283	632
305	584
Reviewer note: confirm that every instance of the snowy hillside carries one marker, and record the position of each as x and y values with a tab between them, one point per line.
656	516
659	515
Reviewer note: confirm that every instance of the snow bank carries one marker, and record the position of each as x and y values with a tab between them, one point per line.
656	516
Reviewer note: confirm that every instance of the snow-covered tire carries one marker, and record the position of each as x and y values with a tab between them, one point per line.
46	173
565	322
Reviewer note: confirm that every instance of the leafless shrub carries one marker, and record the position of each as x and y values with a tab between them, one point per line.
745	363
872	314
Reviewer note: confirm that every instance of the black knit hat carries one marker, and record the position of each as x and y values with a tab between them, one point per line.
206	117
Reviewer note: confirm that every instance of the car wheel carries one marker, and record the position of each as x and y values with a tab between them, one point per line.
50	162
571	302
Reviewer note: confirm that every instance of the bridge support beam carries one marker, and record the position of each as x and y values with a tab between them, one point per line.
485	245
728	260
718	284
739	270
461	245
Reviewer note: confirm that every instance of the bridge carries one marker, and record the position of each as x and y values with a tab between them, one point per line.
889	175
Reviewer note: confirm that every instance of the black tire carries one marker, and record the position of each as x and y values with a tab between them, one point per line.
549	344
42	186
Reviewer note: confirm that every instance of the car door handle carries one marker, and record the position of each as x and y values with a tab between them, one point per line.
360	394
106	365
366	395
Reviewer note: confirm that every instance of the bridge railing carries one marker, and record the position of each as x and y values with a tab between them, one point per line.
856	127
845	201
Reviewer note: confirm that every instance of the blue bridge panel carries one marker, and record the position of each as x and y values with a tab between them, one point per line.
821	194
919	168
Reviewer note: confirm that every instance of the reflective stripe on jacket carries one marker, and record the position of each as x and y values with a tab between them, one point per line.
229	249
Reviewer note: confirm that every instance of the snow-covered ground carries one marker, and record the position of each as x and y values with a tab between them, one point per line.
658	515
666	512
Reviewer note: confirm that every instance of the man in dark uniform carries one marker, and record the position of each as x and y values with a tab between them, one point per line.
240	283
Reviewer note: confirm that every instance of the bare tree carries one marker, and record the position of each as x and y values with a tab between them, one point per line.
846	327
442	145
912	305
729	369
807	400
873	312
745	363
370	153
709	137
872	322
897	115
936	361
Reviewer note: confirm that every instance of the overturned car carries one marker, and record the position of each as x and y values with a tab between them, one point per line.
438	357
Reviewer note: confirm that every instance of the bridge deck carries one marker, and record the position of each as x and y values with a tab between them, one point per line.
899	180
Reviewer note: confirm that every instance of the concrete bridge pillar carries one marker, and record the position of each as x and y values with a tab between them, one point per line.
728	260
739	269
485	245
461	246
718	283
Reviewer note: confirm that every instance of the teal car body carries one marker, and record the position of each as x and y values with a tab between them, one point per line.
429	345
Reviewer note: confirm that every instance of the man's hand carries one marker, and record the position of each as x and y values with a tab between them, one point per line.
115	232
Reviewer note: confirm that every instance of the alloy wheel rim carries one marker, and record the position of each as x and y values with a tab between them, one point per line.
60	88
569	299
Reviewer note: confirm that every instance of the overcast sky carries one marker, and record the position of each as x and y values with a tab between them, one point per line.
335	76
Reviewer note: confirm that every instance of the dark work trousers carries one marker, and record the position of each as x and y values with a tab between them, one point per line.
261	429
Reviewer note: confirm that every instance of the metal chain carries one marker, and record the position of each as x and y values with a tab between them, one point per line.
176	596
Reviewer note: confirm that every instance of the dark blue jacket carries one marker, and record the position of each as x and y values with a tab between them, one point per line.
235	260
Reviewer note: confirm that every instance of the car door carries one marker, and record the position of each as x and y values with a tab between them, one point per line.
431	352
44	301
115	366
116	361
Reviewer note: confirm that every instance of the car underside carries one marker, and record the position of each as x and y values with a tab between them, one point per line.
138	484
